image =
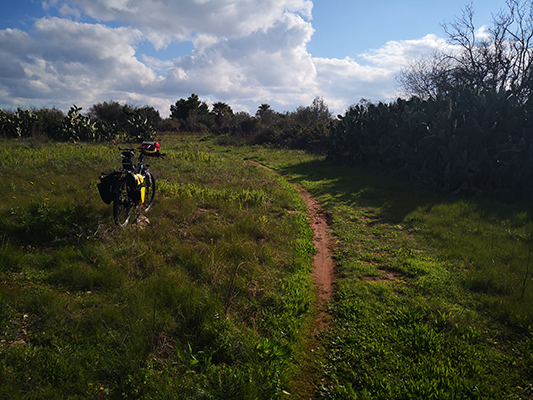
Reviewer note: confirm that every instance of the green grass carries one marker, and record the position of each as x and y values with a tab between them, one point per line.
210	300
433	297
214	299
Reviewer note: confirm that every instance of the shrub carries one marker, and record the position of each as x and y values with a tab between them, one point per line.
473	142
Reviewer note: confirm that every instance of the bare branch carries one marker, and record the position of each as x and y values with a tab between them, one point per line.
504	61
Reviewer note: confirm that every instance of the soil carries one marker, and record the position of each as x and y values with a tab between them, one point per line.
323	263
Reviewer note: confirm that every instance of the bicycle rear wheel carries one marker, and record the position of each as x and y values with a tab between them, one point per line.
149	194
122	205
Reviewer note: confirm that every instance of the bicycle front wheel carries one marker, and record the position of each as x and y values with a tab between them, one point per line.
122	205
149	194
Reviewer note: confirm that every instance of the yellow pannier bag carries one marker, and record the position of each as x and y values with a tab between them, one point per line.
135	188
139	180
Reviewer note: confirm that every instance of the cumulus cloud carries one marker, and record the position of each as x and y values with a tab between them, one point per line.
347	81
12	43
276	59
68	60
396	54
245	52
166	20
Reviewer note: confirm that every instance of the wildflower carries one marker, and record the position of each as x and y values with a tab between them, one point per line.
53	183
31	183
14	197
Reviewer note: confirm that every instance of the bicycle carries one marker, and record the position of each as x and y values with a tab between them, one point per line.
132	188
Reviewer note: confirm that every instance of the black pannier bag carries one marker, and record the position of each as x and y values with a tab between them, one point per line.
106	187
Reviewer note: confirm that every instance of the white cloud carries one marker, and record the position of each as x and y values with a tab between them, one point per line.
270	65
345	82
483	33
164	20
246	52
67	10
156	64
69	61
203	42
397	54
15	41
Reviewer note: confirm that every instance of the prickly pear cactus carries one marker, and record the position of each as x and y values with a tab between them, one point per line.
478	142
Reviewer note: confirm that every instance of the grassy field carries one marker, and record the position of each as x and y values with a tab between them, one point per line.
214	299
211	300
434	294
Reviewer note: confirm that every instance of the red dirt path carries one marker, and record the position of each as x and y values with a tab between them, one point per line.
323	264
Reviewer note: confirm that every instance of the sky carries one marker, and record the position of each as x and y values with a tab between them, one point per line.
286	53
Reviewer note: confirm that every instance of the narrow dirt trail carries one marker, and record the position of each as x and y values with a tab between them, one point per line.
323	264
307	383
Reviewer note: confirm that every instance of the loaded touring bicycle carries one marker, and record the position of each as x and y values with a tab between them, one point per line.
131	189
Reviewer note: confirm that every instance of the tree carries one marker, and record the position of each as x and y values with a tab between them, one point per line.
317	114
192	114
500	59
190	107
264	109
222	112
427	77
180	110
110	113
150	113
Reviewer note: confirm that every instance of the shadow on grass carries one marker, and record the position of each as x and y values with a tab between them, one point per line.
396	198
488	242
46	223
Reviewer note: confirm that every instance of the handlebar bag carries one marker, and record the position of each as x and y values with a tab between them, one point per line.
151	149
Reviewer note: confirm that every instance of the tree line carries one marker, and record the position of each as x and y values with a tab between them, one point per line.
104	122
464	123
305	128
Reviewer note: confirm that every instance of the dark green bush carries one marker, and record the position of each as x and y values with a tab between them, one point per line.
475	142
104	122
306	128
